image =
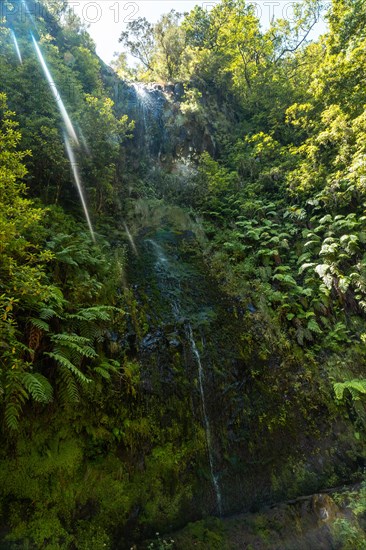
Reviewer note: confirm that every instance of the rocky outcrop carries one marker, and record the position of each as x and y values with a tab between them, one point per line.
307	523
169	127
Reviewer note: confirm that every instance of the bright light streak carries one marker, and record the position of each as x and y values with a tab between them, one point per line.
52	85
74	167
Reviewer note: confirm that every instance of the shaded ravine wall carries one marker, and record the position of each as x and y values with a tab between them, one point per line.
273	433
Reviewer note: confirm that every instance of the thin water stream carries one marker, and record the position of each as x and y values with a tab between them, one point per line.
163	269
201	383
145	103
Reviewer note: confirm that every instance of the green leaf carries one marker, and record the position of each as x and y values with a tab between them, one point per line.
38	387
68	365
356	387
40	324
306	266
314	327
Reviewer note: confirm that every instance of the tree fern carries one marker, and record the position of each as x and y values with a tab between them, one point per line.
96	313
46	313
74	343
93	331
69	339
19	387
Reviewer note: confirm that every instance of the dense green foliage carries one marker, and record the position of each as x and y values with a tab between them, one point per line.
283	201
284	205
42	314
264	234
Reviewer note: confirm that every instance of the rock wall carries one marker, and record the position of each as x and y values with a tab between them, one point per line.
164	131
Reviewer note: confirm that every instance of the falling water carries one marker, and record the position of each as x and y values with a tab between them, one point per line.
75	171
170	282
51	82
144	101
162	260
201	382
145	104
16	45
162	264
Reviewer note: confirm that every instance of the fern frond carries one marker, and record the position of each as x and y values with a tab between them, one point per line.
74	343
37	386
96	313
63	361
40	324
11	415
67	388
107	368
75	350
46	313
103	373
65	338
355	387
92	331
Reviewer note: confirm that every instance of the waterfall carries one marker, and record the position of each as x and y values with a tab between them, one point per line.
201	383
162	266
161	259
144	102
150	102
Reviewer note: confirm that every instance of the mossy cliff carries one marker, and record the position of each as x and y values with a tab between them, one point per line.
135	459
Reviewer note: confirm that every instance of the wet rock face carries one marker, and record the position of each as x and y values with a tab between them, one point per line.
151	342
257	456
324	508
163	131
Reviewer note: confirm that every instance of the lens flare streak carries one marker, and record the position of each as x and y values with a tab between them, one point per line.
52	85
16	45
30	16
75	171
131	239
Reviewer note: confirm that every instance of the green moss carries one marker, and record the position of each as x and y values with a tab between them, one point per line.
89	536
41	532
208	533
